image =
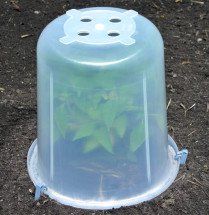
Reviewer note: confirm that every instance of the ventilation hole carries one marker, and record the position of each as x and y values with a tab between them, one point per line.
113	34
115	20
85	20
83	34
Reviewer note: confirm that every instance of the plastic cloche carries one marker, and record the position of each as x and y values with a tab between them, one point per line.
102	131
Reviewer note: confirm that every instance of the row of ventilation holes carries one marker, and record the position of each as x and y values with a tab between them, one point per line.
111	34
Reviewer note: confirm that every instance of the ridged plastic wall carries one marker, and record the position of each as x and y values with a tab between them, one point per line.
102	130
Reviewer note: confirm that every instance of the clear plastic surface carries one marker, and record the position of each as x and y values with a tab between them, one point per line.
102	131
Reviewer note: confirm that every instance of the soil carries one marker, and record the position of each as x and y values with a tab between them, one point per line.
185	28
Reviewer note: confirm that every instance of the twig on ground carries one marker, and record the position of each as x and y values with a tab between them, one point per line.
207	107
185	62
171	89
199	185
191	133
186	109
171	129
155	5
15	6
191	107
192	182
181	177
182	105
26	35
198	2
169	103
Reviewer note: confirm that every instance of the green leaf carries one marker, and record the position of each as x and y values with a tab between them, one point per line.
109	111
84	130
112	95
90	145
95	99
132	108
80	81
137	137
127	93
56	135
103	137
88	105
131	156
103	79
61	118
93	113
160	121
78	115
120	125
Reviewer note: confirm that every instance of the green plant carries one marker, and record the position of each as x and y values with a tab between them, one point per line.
98	113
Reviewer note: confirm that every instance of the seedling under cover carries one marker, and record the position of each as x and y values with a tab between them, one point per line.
102	131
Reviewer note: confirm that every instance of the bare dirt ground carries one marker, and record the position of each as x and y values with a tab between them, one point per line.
185	29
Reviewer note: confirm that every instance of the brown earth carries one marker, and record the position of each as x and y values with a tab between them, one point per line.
185	29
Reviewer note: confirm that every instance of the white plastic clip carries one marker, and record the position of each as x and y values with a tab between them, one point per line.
39	191
182	156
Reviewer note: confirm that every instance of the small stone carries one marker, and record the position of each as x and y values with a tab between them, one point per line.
174	75
199	40
37	12
206	73
31	191
2	89
15	6
205	168
168	202
45	201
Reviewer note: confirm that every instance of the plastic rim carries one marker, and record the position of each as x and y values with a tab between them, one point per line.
101	205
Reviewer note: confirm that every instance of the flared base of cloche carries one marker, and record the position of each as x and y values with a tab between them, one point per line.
32	160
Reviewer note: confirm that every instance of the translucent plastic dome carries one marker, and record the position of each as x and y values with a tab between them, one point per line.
102	131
